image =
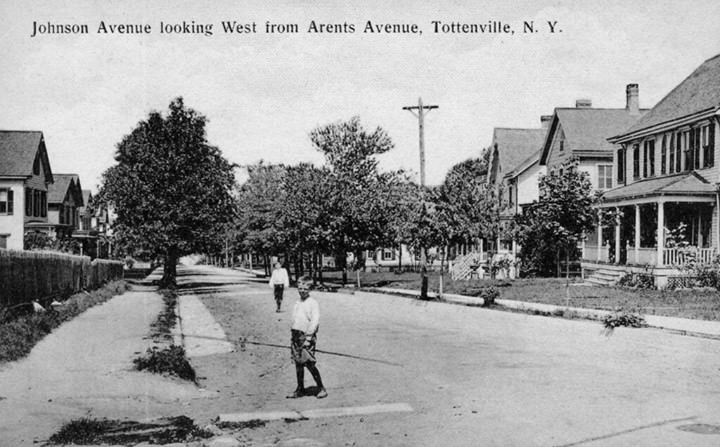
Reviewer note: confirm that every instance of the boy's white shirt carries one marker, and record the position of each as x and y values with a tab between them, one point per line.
279	276
306	315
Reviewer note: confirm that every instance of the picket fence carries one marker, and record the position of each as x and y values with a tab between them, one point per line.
43	276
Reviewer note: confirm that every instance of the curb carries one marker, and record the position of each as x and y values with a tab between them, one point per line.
681	326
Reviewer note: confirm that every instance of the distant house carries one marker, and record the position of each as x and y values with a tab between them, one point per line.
25	177
515	169
666	177
65	198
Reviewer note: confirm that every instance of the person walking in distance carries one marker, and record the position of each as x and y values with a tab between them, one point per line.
278	282
303	337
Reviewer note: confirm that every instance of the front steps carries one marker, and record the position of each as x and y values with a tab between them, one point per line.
604	277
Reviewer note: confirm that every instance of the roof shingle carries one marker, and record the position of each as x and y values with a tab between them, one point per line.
17	152
698	92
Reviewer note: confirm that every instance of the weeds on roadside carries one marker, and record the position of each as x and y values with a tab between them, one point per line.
170	360
105	431
623	318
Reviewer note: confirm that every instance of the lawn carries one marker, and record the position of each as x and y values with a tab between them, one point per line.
697	304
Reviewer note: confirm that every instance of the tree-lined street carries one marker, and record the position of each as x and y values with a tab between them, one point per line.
399	372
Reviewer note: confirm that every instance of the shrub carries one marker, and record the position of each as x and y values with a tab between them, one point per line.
488	295
623	318
170	360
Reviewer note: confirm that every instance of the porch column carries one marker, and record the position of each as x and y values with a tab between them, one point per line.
660	232
637	233
599	235
617	235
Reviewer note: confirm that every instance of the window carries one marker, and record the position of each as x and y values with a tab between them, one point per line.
621	165
687	148
36	165
604	176
709	146
562	145
43	203
388	254
3	240
636	161
28	202
510	195
663	156
6	201
649	158
671	164
695	138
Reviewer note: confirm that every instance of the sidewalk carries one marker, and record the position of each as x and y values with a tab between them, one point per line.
701	328
85	367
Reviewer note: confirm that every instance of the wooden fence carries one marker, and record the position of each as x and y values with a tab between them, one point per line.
43	276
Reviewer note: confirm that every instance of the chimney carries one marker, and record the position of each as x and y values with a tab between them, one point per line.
633	103
583	103
545	121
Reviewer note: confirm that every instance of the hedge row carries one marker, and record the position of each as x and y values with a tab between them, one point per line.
43	276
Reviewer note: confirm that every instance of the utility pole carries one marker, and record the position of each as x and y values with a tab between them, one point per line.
421	126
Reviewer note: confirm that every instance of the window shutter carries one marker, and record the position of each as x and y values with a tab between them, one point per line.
711	142
10	202
28	201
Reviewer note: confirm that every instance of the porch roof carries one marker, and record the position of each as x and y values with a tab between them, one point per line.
687	184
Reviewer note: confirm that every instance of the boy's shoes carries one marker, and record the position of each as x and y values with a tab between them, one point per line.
322	394
297	394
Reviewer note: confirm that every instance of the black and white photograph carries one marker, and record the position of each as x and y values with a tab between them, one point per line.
296	223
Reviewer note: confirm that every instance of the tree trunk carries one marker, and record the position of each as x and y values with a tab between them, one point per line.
400	268
170	269
311	265
557	263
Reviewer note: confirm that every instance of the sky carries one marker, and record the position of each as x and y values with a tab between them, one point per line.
263	93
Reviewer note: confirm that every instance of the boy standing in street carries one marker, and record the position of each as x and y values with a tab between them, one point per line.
278	282
303	337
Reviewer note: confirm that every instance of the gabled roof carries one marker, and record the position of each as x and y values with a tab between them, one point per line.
680	184
18	149
514	146
697	93
87	199
587	129
525	164
65	184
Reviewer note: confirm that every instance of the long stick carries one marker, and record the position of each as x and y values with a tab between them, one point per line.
385	362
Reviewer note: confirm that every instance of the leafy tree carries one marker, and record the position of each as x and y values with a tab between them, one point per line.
260	202
171	190
555	224
468	205
361	196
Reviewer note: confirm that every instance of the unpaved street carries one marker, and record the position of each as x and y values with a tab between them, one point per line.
440	374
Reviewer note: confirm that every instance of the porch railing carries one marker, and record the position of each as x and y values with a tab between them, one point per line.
593	253
686	255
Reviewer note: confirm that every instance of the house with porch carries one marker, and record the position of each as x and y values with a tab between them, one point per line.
665	200
25	177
